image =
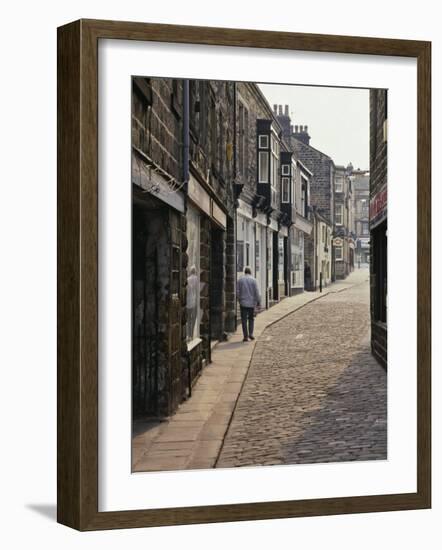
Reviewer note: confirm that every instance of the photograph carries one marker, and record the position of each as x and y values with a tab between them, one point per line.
259	274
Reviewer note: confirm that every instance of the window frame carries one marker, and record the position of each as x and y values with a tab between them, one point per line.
262	155
340	208
285	190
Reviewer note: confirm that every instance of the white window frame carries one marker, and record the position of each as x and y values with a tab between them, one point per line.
285	169
285	190
339	185
263	175
340	208
274	167
341	253
261	138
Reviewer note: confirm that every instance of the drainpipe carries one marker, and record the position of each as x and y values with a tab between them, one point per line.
186	136
186	141
235	221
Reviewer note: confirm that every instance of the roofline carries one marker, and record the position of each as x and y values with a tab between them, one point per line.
304	167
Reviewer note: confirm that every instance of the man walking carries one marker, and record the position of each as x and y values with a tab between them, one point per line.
248	297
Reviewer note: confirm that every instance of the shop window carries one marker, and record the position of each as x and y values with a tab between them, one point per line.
281	259
338	253
193	275
379	236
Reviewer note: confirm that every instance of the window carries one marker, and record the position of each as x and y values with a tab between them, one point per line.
203	108
338	253
339	214
240	140
221	151
246	142
243	139
285	190
281	259
213	132
193	275
304	197
263	167
263	142
339	187
274	168
286	170
364	228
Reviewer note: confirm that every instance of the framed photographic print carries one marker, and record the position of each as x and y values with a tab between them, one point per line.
243	319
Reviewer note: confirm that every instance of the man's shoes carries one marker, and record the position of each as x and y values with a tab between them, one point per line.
245	339
251	337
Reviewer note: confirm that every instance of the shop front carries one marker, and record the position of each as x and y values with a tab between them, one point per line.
378	275
251	246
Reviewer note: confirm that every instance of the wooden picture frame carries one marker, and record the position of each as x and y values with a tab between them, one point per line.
78	274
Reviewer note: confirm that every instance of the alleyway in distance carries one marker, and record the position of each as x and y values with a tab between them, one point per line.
307	390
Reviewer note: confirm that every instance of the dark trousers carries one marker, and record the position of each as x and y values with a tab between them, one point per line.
247	317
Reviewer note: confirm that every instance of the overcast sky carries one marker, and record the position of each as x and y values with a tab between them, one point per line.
337	119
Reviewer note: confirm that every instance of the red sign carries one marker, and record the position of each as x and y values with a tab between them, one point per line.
378	204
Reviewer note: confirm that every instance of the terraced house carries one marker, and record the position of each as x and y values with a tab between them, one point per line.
183	234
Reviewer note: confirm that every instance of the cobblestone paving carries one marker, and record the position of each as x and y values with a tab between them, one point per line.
313	392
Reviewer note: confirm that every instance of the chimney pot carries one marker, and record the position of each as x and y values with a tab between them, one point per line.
275	108
306	129
296	128
280	110
286	112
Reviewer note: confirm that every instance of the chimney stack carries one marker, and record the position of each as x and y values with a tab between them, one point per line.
301	134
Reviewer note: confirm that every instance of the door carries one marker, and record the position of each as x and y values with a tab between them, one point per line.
144	320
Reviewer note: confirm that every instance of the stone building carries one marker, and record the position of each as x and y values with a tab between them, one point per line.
361	200
322	201
296	204
183	234
318	252
344	236
262	223
378	223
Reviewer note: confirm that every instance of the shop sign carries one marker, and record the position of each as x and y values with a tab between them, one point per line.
338	241
219	215
378	206
199	196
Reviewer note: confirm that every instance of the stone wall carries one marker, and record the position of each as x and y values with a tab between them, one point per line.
157	122
321	184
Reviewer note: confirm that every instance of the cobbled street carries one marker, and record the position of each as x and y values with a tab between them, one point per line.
306	390
313	391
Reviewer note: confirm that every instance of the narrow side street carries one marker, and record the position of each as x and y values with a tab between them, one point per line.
306	390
